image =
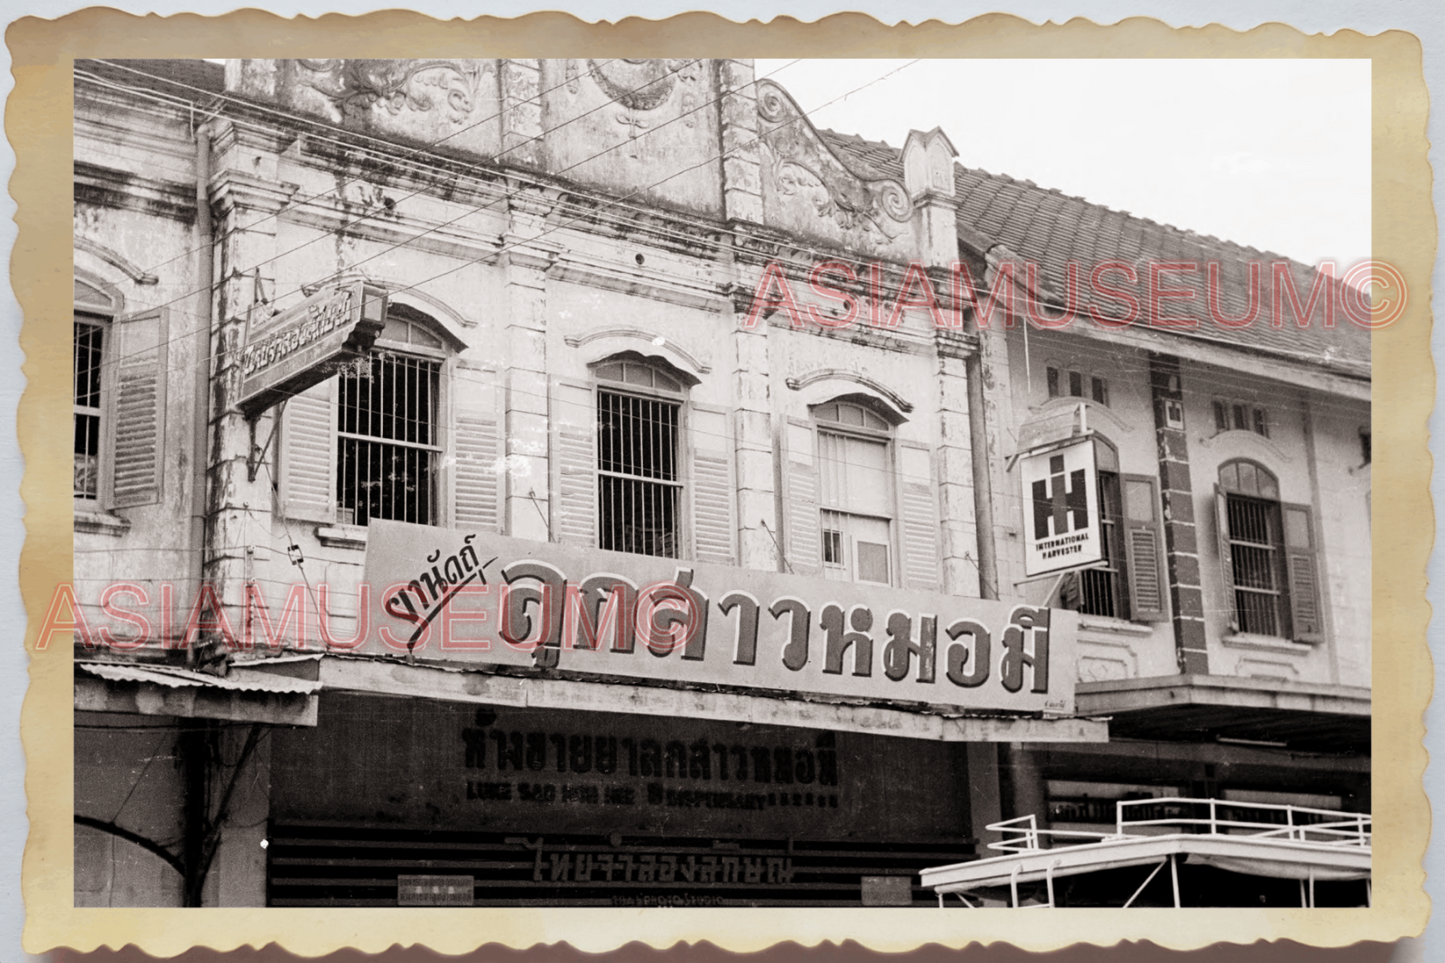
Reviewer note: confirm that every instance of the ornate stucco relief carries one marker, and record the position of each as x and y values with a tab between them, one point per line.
448	87
641	89
801	165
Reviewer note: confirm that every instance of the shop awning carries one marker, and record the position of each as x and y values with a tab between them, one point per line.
251	694
1332	718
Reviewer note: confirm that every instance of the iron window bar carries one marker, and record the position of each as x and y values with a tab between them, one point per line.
387	439
639	488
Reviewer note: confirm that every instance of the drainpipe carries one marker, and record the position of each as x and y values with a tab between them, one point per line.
201	380
982	484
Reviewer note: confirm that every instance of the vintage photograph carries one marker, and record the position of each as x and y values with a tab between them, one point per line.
641	483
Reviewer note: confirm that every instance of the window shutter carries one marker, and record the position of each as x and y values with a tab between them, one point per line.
1306	619
574	463
476	444
306	483
803	552
1141	549
919	516
137	436
1226	557
713	531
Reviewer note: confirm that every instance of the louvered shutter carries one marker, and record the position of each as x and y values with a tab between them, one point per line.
1306	618
1226	556
801	543
306	481
574	463
919	516
476	450
138	427
713	530
1142	549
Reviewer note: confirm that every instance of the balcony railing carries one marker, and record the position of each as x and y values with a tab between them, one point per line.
1213	817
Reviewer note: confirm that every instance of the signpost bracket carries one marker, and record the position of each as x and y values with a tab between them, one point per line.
257	453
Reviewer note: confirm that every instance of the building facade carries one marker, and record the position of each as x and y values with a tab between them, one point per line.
681	447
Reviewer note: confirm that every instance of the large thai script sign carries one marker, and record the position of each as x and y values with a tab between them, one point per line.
458	596
299	347
1061	509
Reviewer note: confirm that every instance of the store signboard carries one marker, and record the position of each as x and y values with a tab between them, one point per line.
302	346
1061	509
457	596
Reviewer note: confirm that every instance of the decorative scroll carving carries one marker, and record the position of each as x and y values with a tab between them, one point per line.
802	165
355	86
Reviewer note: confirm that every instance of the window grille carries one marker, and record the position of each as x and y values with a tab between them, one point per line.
639	488
388	444
1255	547
89	344
1099	588
1254	550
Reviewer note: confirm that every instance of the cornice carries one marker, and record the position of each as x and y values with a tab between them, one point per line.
672	290
128	191
236	189
461	245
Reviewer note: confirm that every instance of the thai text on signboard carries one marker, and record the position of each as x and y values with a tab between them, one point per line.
300	347
449	595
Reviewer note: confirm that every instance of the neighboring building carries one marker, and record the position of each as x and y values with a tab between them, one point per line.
634	338
1227	635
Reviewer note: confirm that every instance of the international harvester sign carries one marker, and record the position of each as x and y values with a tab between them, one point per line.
1061	509
300	347
457	596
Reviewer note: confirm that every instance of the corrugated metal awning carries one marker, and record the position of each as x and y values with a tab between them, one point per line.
176	678
247	695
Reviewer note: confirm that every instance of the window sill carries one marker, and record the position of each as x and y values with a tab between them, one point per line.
342	536
100	523
1095	623
1264	643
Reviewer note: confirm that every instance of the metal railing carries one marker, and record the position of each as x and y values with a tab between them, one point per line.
1294	823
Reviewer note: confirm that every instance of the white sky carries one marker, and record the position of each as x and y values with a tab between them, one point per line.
1274	154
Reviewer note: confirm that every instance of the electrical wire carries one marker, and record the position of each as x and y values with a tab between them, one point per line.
506	196
1305	356
393	164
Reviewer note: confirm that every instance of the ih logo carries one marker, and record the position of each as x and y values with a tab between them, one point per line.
1054	501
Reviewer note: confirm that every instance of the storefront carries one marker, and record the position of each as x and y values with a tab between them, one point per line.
420	802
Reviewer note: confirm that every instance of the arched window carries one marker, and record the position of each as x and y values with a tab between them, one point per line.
1128	583
1101	590
856	492
389	438
1267	555
389	432
639	476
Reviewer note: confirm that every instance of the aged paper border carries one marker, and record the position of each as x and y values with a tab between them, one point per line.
1404	231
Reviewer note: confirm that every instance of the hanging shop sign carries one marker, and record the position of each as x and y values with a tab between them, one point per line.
303	346
1061	509
458	596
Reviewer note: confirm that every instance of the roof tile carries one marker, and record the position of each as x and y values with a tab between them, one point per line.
1051	228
